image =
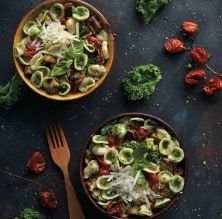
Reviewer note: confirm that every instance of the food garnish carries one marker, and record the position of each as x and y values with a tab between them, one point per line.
36	163
213	85
13	92
190	28
195	76
141	82
174	46
64	50
29	213
149	8
141	173
199	57
48	199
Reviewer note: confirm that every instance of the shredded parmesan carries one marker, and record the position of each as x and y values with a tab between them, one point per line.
125	182
54	33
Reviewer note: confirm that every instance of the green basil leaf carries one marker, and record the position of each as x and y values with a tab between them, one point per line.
74	50
61	68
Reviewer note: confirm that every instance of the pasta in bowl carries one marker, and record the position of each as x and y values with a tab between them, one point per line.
133	166
63	50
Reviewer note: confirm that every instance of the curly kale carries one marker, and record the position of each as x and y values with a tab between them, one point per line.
149	8
141	82
13	92
29	213
106	130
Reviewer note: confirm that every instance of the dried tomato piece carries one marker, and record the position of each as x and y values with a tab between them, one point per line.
213	85
114	141
48	199
174	46
190	28
36	163
76	82
115	209
195	76
200	55
104	168
63	20
153	178
94	41
104	171
140	134
30	50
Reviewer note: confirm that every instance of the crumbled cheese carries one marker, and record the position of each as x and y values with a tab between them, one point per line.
55	33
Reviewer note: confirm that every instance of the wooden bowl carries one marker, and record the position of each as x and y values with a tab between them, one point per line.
82	165
19	35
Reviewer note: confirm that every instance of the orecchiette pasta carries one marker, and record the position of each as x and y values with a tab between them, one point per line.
96	70
86	84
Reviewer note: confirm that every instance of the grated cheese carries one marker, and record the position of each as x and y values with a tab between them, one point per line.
125	181
54	33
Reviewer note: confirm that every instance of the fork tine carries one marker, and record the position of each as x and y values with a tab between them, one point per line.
57	135
51	146
53	136
62	135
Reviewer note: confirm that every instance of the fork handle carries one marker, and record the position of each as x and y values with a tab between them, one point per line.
75	210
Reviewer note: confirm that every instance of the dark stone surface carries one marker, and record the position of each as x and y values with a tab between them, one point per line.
196	118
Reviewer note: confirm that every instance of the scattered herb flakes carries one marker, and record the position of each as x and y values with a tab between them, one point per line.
149	8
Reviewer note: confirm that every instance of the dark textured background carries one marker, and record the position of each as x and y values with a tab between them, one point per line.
197	119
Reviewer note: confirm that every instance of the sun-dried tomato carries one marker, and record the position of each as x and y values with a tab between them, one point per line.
63	20
115	209
30	50
190	28
114	141
153	178
104	171
76	82
48	199
200	55
140	134
174	46
104	168
195	76
213	85
36	163
94	41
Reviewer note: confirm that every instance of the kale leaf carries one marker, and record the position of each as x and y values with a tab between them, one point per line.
141	82
29	213
149	8
13	92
